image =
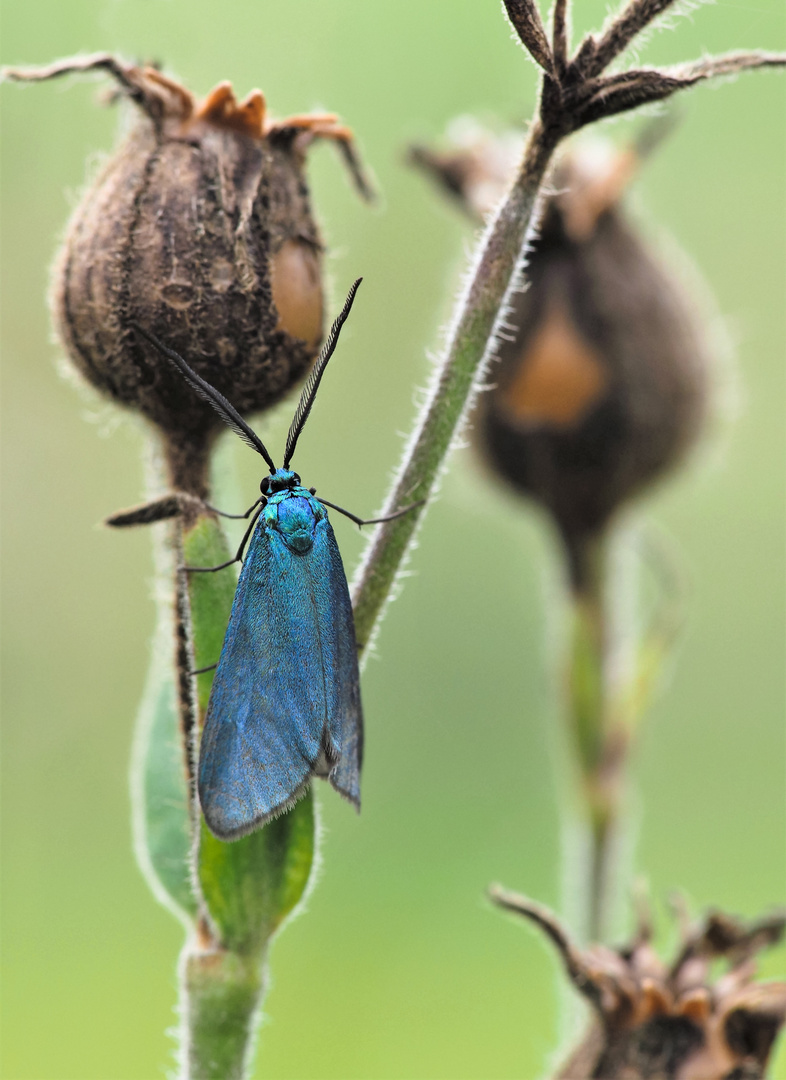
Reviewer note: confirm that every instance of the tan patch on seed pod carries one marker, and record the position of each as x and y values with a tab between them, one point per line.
562	379
200	229
659	1021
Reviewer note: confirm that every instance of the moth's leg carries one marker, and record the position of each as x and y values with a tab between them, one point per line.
235	517
169	506
161	509
238	556
211	569
372	521
203	670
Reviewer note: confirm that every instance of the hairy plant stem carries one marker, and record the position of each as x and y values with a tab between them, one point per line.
469	351
222	993
188	472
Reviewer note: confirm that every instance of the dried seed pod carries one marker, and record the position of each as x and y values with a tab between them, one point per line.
200	228
671	1021
601	380
604	384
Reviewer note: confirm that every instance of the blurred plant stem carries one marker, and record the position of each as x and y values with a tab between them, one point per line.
617	648
599	744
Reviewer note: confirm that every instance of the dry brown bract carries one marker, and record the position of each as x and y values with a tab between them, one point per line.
575	90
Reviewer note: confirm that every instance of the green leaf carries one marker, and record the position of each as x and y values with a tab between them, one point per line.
159	786
251	884
211	596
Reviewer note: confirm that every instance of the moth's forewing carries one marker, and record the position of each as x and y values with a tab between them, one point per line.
287	682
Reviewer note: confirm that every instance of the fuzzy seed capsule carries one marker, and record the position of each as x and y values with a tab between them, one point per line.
200	229
604	386
601	379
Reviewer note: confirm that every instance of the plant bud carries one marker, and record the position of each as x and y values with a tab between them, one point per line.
200	229
601	377
678	1020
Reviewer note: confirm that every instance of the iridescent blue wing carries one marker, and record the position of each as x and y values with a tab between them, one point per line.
286	691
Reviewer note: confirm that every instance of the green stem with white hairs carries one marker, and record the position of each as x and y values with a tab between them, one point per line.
573	93
468	353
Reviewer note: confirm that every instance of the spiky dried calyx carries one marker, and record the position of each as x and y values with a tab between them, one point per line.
475	167
200	229
659	1021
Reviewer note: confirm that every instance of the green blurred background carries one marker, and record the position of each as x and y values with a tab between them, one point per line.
399	968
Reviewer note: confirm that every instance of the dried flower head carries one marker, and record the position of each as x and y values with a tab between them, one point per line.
671	1021
199	228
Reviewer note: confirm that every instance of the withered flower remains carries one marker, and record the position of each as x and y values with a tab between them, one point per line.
654	1020
199	228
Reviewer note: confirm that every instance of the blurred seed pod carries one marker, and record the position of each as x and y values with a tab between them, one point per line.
671	1021
601	381
200	228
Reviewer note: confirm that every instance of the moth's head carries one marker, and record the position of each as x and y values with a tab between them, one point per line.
280	480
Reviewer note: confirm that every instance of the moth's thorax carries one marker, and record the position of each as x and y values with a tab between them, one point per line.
294	515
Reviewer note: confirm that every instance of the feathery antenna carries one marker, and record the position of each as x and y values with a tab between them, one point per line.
314	379
224	408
